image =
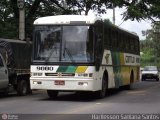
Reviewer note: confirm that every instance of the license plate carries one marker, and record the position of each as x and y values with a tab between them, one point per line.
59	82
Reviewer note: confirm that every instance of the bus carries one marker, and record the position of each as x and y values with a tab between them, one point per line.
84	54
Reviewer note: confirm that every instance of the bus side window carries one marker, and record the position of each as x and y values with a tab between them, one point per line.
120	42
106	37
128	44
133	43
136	45
130	48
116	40
125	43
110	38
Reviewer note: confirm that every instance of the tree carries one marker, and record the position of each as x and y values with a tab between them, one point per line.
84	6
140	9
9	12
40	8
150	46
8	25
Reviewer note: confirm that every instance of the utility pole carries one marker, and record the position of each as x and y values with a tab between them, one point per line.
114	19
20	4
64	4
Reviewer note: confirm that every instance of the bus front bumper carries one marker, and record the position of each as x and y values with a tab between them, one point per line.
65	84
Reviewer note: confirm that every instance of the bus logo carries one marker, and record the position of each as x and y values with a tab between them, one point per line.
107	58
59	74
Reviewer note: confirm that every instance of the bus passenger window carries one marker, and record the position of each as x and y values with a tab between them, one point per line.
125	44
106	38
136	44
128	45
110	38
121	42
116	40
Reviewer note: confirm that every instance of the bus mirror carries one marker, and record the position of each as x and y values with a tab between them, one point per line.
97	55
97	64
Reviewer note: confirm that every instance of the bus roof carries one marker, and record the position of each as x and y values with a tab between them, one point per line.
66	19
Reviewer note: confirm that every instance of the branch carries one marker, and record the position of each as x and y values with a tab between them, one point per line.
15	8
56	3
33	9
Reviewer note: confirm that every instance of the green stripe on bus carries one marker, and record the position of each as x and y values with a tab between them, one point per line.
71	69
62	69
67	69
116	59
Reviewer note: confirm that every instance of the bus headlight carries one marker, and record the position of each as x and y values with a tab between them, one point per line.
85	74
85	84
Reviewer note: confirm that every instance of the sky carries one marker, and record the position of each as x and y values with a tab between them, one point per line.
132	26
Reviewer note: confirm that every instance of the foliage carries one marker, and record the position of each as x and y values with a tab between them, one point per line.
107	21
140	9
147	57
8	24
9	12
150	46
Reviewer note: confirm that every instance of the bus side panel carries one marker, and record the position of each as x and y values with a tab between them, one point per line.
107	66
119	67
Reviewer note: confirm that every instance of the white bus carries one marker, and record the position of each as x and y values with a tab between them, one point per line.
82	53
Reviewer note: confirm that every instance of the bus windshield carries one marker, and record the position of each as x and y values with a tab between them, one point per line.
63	44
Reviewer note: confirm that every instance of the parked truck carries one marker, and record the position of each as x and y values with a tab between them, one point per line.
15	59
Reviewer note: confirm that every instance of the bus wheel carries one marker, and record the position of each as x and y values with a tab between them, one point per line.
157	79
129	86
52	93
102	93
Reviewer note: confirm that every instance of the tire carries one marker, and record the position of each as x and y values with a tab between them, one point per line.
22	88
52	93
126	87
4	92
157	79
102	93
129	87
143	78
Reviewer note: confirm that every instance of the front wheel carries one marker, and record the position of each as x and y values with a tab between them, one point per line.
157	79
52	93
102	93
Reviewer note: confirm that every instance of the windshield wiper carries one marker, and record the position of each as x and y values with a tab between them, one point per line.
69	54
50	54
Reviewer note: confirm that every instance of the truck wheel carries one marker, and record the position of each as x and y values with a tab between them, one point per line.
22	88
5	92
52	93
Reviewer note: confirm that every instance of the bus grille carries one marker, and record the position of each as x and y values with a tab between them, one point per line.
60	74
